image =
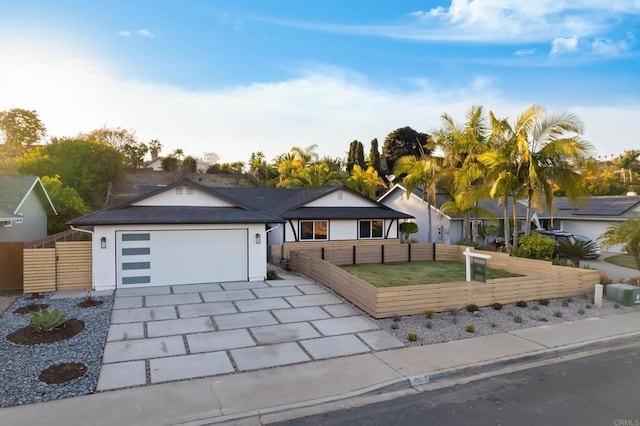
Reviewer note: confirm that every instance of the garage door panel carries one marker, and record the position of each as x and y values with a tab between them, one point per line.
182	257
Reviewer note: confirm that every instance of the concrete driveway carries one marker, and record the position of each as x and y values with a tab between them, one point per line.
614	272
162	334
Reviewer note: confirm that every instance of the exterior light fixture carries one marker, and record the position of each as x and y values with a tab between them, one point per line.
103	242
258	238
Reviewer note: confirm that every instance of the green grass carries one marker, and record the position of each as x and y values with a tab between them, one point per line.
414	273
622	260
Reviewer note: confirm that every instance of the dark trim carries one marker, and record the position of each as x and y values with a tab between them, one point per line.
293	228
386	237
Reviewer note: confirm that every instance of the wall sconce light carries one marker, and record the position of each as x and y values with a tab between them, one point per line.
258	238
103	242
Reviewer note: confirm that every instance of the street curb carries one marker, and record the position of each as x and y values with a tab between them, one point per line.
415	381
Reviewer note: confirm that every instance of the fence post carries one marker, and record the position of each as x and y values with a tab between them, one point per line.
354	255
409	252
322	253
433	252
382	247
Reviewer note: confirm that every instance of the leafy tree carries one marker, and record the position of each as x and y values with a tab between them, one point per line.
627	162
626	233
154	148
134	154
117	137
536	246
359	157
20	128
365	182
406	229
67	201
84	165
170	163
374	156
261	173
402	142
355	156
211	158
189	164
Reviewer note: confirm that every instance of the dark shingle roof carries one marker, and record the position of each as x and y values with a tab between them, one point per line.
606	206
174	214
276	200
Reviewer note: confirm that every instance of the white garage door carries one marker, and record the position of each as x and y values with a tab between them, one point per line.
152	258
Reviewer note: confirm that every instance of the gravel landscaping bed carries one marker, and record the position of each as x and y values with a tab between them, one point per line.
20	365
7	300
445	326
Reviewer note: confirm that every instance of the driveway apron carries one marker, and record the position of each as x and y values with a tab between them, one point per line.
161	334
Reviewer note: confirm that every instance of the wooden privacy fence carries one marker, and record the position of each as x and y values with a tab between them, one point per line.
11	266
65	267
541	280
283	251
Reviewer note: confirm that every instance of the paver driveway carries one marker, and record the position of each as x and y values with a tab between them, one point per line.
160	334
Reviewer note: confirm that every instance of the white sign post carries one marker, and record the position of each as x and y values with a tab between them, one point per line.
468	255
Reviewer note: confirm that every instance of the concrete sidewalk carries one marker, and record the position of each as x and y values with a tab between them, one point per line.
216	399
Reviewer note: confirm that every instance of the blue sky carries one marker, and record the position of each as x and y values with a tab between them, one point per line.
234	76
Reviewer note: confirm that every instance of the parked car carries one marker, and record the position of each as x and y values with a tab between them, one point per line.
596	252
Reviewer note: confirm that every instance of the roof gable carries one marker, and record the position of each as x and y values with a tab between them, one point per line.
341	197
14	191
184	195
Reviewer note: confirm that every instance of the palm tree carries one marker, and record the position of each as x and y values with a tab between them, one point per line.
546	152
154	148
365	182
627	233
313	176
420	173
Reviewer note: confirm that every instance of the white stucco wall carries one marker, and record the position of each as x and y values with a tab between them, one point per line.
104	260
442	229
342	198
591	229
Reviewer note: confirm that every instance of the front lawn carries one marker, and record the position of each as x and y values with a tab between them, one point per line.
624	260
413	273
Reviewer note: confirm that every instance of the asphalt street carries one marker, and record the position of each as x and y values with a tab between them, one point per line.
602	389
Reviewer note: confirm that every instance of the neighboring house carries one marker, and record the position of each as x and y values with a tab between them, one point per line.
445	228
186	233
155	164
592	216
24	207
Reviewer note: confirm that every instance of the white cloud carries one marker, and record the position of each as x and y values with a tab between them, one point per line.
145	33
606	47
124	33
525	52
564	45
327	107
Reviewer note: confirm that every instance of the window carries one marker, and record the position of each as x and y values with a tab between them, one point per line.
189	190
313	230
371	228
179	190
7	223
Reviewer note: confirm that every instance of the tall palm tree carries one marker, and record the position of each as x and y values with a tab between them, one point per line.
420	173
313	176
627	233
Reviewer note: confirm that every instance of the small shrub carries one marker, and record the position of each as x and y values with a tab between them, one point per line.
509	314
428	315
604	278
616	305
429	325
45	320
412	337
472	308
544	302
396	318
581	311
517	319
272	274
521	304
493	324
565	303
497	306
470	328
559	261
454	312
557	314
535	307
394	326
588	306
89	297
535	246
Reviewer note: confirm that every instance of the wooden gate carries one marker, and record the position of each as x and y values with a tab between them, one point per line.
68	266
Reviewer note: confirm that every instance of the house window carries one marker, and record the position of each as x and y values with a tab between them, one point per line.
179	190
189	190
7	223
313	230
370	228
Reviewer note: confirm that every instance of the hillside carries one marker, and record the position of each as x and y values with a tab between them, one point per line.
128	186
